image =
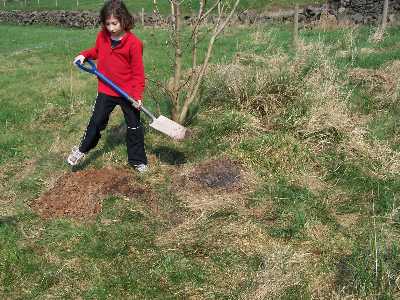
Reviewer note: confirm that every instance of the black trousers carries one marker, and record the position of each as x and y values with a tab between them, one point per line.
103	107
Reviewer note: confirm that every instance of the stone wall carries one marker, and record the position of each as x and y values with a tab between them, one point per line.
87	19
364	11
82	19
357	11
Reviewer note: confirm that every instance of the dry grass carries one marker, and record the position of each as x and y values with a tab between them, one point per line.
7	203
282	156
388	159
348	220
19	172
311	180
322	287
256	83
331	120
284	267
326	22
26	169
382	84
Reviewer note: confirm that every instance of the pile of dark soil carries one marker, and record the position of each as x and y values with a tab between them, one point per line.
79	195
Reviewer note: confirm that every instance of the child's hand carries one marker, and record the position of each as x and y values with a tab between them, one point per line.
79	58
139	102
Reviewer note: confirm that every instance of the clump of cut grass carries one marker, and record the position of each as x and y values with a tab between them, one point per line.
282	270
278	89
381	84
328	120
387	159
301	93
321	77
263	86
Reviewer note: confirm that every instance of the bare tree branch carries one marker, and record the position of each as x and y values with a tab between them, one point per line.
194	91
183	88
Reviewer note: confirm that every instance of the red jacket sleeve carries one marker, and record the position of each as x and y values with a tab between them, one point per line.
136	53
92	53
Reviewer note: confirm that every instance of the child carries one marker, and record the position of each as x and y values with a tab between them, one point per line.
119	57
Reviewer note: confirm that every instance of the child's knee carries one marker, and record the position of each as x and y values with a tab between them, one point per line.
136	132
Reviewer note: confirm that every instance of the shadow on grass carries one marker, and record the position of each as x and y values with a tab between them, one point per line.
169	155
8	221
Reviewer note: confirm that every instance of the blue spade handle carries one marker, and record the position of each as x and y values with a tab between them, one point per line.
82	66
93	70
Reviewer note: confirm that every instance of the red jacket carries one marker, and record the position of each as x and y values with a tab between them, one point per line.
122	64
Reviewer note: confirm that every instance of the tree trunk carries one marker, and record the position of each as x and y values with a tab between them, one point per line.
378	36
296	27
384	15
178	60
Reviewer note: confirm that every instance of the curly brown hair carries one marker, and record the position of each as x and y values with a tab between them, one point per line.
118	10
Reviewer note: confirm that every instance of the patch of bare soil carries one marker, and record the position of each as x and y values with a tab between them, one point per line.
217	174
213	184
221	173
79	194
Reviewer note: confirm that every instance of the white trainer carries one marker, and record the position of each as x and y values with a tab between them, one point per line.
141	168
75	156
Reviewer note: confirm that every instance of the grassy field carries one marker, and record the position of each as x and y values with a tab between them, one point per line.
315	134
137	5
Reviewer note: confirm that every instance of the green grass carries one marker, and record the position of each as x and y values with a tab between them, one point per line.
309	211
386	128
364	188
369	269
137	5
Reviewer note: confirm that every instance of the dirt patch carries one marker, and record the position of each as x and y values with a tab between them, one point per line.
78	195
222	173
213	184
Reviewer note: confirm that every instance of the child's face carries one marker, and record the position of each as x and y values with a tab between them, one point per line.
114	27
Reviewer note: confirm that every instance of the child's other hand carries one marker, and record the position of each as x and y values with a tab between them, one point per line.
139	102
79	58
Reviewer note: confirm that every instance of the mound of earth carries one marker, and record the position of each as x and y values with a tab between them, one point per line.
79	194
